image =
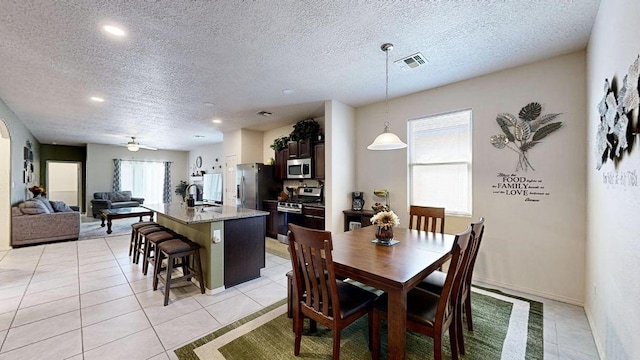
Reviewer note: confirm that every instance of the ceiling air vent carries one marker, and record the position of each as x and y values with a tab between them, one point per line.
264	113
412	61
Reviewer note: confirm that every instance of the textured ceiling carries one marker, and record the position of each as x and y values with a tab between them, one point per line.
240	55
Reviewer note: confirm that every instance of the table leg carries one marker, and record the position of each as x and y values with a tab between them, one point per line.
397	323
151	217
108	225
102	223
140	218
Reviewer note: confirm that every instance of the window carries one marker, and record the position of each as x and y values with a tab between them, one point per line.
440	162
145	179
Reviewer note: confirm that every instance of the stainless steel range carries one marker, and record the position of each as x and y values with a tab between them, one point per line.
290	211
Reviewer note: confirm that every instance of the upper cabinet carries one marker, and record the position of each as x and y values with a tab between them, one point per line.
281	164
300	149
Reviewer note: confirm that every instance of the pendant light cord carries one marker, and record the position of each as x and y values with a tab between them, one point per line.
386	95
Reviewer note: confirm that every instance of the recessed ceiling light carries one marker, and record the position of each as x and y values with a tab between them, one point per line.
114	30
209	104
287	91
216	121
97	99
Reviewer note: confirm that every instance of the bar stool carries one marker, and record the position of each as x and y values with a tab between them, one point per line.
134	232
151	245
173	250
138	247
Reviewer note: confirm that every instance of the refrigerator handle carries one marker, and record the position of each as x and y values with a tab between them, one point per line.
238	191
243	190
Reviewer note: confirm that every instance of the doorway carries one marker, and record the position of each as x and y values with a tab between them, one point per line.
5	187
64	182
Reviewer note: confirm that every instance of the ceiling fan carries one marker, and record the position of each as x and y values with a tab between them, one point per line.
133	145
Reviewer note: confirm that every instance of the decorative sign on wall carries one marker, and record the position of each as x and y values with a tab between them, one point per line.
523	132
615	133
528	188
27	174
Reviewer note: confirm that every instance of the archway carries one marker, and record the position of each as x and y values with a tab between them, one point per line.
5	187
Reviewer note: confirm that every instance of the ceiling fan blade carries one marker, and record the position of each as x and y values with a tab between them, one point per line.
147	147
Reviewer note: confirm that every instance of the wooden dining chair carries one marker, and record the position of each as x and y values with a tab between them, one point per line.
435	283
427	313
330	302
426	218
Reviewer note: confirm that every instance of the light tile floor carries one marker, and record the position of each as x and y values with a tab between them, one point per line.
85	300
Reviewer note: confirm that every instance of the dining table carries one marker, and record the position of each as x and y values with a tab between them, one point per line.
394	269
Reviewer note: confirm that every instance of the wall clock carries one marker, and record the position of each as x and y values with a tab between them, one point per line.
199	162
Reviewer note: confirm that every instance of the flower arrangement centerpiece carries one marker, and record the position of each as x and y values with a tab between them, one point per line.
37	190
385	220
181	189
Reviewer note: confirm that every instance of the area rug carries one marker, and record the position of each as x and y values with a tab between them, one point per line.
90	228
505	327
277	248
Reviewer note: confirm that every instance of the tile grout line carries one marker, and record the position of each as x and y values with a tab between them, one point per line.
80	304
21	299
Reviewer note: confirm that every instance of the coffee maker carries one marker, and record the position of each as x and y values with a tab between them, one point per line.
357	200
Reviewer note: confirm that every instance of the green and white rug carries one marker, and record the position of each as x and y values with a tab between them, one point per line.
505	327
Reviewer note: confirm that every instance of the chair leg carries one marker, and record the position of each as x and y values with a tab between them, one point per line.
145	257
198	266
437	346
336	344
467	310
370	328
375	335
313	325
289	298
298	319
452	341
167	284
136	249
156	269
132	241
458	329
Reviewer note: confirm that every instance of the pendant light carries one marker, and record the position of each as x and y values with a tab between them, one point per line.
387	140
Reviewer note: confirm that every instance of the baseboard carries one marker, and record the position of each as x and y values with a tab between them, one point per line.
206	290
596	338
531	291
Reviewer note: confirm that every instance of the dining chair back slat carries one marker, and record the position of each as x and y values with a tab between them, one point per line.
426	218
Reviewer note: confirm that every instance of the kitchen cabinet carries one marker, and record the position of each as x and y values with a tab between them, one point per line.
363	217
300	149
318	156
281	164
272	218
313	217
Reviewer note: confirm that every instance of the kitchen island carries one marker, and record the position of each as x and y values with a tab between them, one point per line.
232	240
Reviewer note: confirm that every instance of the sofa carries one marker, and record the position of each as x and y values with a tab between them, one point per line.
113	200
30	226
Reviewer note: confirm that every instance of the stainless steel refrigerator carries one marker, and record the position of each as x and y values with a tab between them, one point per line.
256	183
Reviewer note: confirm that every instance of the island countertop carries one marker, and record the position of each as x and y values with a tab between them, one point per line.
200	214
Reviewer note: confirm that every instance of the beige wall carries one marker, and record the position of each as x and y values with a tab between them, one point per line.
534	247
267	140
209	154
613	241
100	166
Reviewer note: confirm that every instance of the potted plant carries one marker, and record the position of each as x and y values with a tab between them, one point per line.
305	129
181	189
385	220
280	143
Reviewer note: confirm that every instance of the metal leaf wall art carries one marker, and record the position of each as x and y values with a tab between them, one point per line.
614	130
523	132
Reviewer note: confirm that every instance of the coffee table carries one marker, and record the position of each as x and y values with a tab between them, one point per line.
121	213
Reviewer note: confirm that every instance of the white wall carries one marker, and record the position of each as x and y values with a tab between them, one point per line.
100	166
613	240
209	154
62	181
5	188
340	155
533	247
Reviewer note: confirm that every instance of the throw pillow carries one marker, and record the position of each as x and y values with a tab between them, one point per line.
60	206
44	202
120	196
33	207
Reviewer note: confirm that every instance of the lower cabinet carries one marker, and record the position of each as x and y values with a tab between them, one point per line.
272	218
243	249
313	217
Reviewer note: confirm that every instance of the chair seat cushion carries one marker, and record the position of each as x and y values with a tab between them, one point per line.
421	306
353	298
177	246
150	229
434	282
160	236
140	224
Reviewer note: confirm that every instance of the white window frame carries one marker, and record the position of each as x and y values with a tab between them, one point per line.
411	165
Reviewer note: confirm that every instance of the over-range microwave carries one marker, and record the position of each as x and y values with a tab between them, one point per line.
299	168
